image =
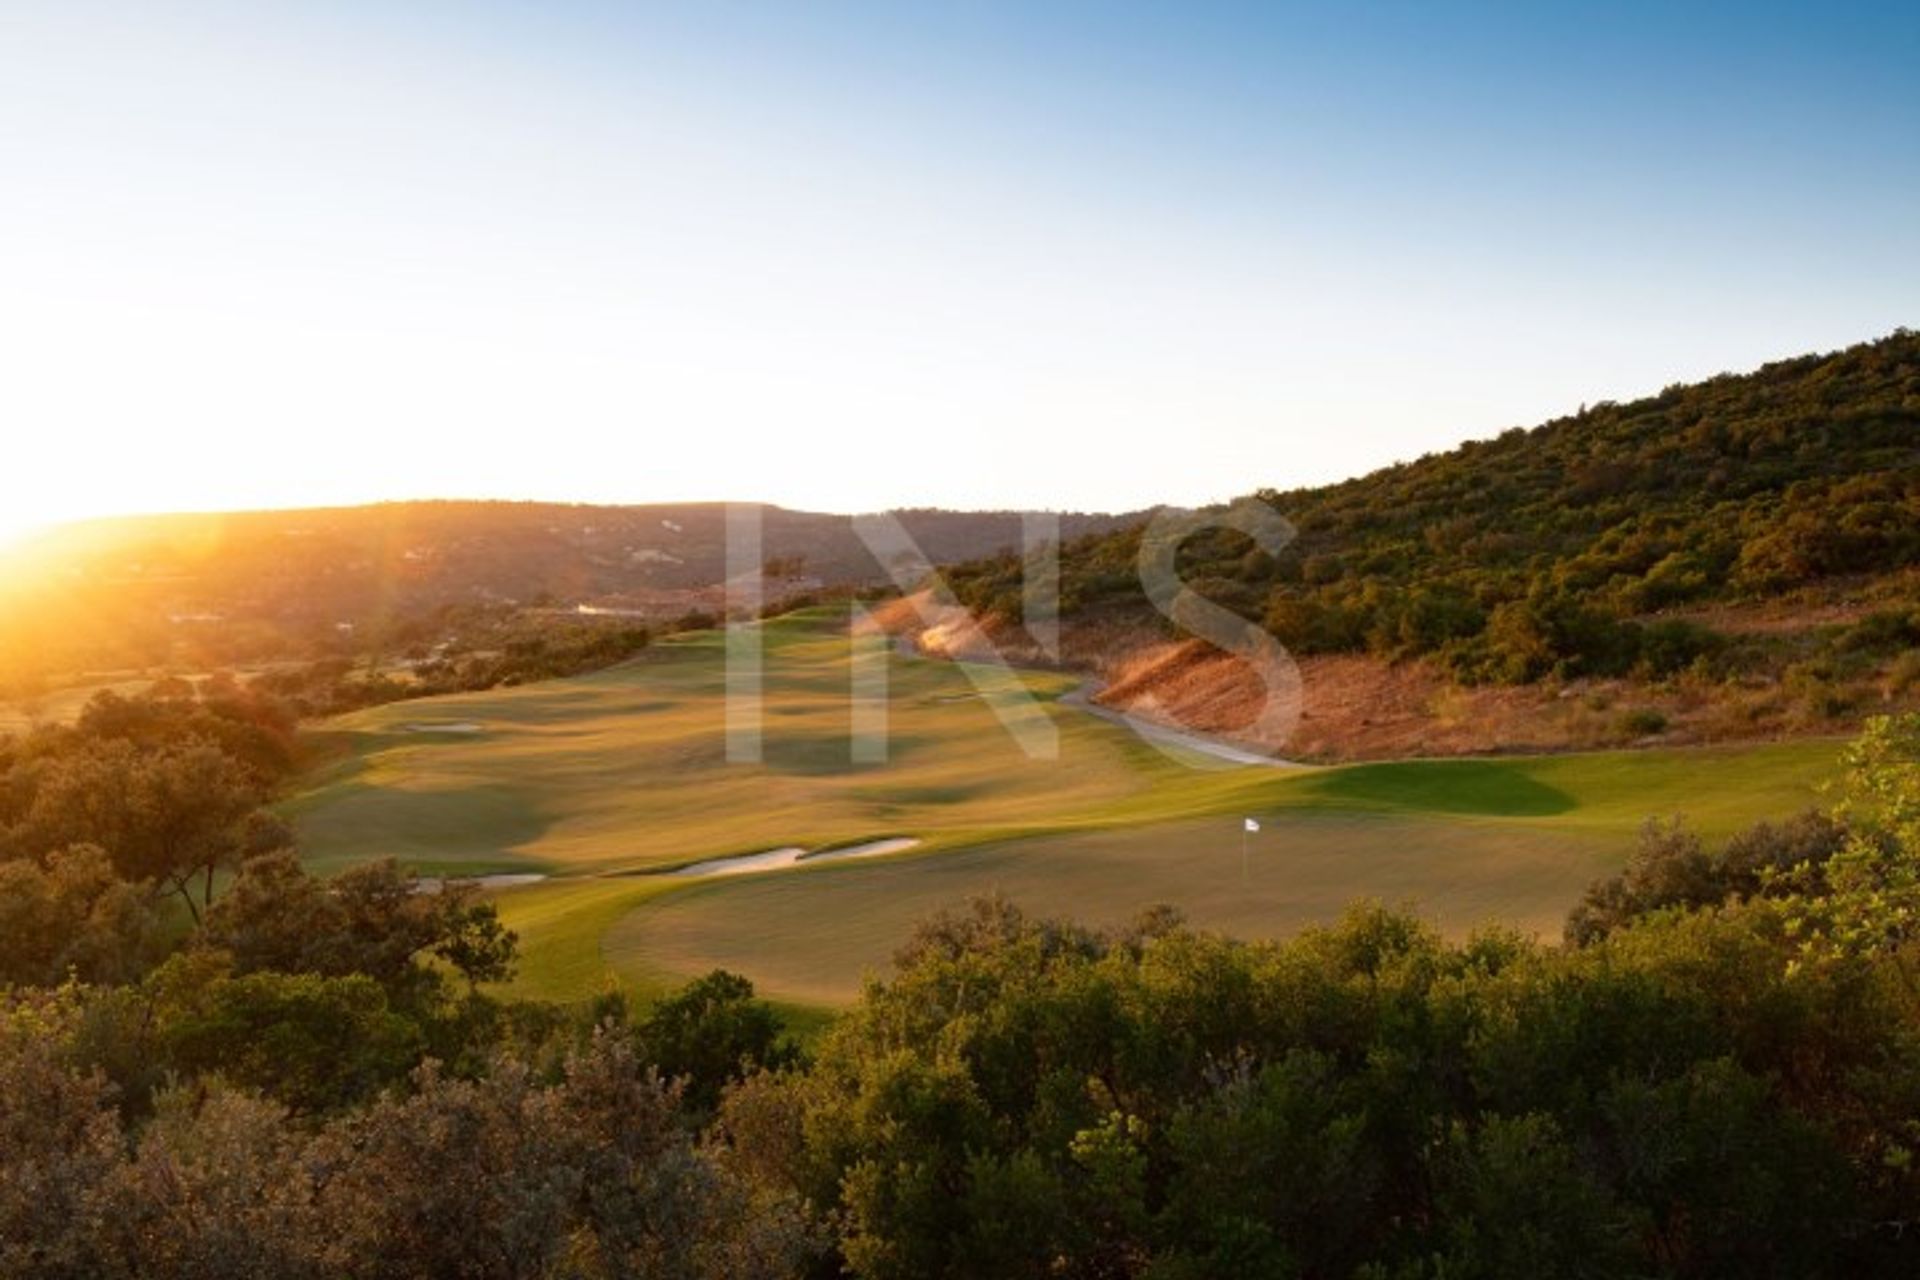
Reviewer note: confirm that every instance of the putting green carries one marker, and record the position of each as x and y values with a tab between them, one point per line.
1466	843
625	771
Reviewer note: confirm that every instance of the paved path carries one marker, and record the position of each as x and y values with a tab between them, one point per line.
1150	730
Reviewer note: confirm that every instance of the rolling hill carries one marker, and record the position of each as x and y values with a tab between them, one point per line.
1732	559
240	587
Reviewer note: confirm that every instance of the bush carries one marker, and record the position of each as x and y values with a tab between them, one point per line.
1027	1098
1643	722
711	1033
1883	633
1673	869
1670	645
1903	676
315	1044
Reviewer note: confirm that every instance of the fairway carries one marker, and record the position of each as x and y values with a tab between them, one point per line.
626	770
600	780
1466	843
809	937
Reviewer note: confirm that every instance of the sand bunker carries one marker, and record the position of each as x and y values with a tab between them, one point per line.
499	880
789	856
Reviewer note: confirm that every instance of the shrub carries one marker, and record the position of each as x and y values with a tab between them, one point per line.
1904	675
1671	645
1886	632
1642	722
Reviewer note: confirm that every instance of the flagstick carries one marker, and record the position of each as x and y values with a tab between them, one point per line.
1243	852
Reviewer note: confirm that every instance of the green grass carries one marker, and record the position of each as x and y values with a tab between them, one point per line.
809	935
1719	789
624	771
1467	843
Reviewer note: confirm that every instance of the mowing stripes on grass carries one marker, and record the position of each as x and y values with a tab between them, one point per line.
624	771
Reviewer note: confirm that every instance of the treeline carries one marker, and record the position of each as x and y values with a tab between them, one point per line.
1541	553
1717	1075
506	651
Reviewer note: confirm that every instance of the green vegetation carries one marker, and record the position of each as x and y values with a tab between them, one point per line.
169	789
215	1063
1025	1097
483	650
192	593
240	1035
624	770
1719	1081
1540	553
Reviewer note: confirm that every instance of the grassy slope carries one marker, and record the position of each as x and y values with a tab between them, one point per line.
1465	842
625	770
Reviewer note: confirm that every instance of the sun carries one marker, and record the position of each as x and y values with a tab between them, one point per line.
27	514
12	534
19	529
15	530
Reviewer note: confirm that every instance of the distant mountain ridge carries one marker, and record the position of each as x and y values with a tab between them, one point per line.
298	571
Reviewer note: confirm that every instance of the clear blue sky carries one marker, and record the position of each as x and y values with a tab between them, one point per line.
858	255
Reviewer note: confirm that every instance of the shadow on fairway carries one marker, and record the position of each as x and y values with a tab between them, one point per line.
1490	788
827	754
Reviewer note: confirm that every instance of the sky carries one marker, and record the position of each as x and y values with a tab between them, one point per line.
852	256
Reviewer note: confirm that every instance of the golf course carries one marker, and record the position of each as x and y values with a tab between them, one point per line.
616	787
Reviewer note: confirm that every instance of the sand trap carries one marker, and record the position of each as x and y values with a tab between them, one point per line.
441	726
499	880
871	849
505	879
745	864
789	856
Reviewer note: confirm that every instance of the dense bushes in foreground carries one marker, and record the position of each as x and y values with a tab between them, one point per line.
1719	1076
590	1170
1032	1099
1028	1098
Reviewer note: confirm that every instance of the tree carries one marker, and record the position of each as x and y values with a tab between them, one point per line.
171	816
474	941
74	917
1867	896
59	1138
373	919
711	1032
594	1177
316	1044
216	1187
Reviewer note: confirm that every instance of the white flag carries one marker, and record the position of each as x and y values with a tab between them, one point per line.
1253	824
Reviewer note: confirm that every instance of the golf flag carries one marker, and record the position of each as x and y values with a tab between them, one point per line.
1253	824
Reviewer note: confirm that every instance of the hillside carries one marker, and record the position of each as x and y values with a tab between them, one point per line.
231	588
1733	558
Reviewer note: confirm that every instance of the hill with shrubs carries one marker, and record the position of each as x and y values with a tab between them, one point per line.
1730	558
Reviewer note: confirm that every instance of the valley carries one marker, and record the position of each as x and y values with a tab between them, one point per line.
607	782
